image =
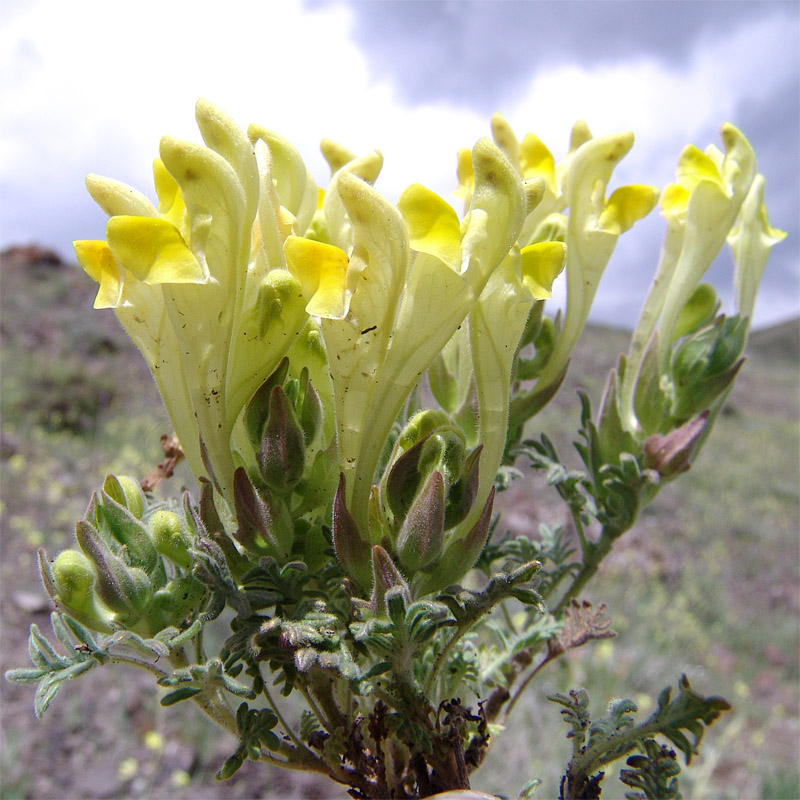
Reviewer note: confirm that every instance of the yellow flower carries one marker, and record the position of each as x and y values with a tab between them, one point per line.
200	283
751	242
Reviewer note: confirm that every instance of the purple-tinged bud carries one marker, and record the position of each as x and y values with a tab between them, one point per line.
422	532
385	576
462	494
281	457
352	551
402	482
311	413
671	454
265	525
125	589
257	410
460	556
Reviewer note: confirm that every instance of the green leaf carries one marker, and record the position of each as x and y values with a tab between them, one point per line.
184	693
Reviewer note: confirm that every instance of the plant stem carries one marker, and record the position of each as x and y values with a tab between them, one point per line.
593	556
439	663
521	688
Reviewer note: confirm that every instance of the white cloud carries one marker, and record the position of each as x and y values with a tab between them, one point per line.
91	87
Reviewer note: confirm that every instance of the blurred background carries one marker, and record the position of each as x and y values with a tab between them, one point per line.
706	584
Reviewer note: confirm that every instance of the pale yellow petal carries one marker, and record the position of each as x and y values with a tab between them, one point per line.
433	225
96	258
542	263
322	271
627	205
153	250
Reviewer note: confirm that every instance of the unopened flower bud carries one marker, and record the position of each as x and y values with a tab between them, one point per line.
385	576
281	457
459	556
311	413
462	494
672	454
352	551
265	525
74	580
123	588
422	533
127	492
118	526
170	537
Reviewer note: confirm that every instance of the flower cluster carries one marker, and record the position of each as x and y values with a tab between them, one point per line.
351	381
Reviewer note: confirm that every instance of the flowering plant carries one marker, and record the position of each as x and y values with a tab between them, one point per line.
351	383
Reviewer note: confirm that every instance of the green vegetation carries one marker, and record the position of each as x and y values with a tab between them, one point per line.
714	559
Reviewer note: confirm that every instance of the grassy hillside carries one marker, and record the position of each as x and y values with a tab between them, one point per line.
706	584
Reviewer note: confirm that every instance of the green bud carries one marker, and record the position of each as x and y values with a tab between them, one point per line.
444	451
281	457
265	525
419	426
459	556
170	537
127	492
422	533
351	550
183	597
311	412
385	577
705	365
699	310
119	527
125	589
74	580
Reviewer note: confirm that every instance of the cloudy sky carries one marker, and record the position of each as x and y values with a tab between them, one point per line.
91	87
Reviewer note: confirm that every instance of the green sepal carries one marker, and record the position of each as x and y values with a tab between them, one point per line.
650	403
698	311
705	365
403	480
125	589
119	527
544	342
208	510
311	411
184	598
127	492
265	526
319	481
613	438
